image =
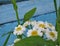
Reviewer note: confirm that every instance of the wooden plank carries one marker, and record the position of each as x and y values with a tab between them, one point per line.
7	13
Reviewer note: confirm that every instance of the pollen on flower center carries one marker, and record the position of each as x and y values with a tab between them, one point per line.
52	34
42	25
18	28
34	33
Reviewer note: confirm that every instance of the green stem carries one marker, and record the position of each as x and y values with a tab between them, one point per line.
5	43
55	4
17	17
16	10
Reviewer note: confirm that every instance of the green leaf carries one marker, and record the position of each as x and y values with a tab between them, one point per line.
5	43
58	25
55	4
58	14
57	21
58	29
29	14
16	10
34	41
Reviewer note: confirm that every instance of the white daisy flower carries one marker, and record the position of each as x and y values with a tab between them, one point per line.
19	30
41	24
34	32
40	33
26	23
45	30
51	35
16	40
33	23
35	27
49	25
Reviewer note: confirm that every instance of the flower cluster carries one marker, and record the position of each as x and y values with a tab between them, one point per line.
37	28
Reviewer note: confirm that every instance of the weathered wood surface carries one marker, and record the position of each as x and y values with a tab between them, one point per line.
7	13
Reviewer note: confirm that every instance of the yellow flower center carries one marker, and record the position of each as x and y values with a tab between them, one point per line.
50	25
34	33
18	28
52	34
42	25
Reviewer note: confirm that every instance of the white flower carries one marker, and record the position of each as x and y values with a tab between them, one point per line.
16	40
45	30
26	23
34	32
40	33
33	23
50	26
19	30
41	24
51	35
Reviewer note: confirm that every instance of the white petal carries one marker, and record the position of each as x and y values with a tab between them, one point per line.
16	40
40	34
